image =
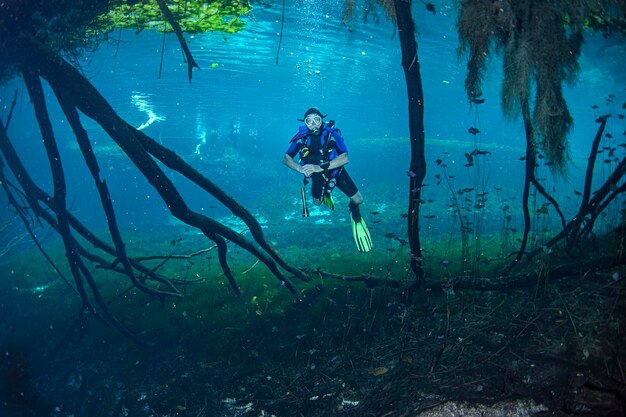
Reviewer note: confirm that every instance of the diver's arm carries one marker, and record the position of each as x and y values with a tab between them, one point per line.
288	160
338	162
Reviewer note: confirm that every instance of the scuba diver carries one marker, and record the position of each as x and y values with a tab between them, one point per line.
323	155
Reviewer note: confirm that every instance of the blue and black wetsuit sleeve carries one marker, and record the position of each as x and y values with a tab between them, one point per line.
294	148
338	144
295	144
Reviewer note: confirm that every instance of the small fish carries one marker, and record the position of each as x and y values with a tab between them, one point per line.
522	158
478	100
374	221
611	95
479	152
374	212
608	135
497	188
431	8
438	161
473	130
620	116
594	107
577	192
430	216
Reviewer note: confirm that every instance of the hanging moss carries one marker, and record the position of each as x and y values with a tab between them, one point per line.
541	42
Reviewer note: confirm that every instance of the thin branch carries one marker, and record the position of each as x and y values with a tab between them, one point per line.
191	62
282	25
6	125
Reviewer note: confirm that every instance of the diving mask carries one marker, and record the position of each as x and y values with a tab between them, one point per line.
313	121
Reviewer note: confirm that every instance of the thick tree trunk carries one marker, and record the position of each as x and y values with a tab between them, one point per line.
417	168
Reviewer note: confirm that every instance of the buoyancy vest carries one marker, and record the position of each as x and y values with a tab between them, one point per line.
316	149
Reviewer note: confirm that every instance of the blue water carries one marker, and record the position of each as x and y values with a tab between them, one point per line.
210	353
351	72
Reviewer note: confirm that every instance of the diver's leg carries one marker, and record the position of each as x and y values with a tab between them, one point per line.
361	233
349	188
316	188
356	199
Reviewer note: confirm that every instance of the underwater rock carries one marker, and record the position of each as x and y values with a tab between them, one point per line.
519	408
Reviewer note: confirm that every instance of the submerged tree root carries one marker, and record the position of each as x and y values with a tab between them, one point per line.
76	94
485	283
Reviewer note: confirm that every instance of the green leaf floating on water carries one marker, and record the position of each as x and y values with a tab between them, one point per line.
193	16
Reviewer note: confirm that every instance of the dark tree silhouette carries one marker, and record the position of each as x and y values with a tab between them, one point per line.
400	12
417	167
541	42
25	53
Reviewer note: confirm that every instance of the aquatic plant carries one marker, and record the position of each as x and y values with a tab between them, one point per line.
455	208
534	43
192	16
541	43
71	27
